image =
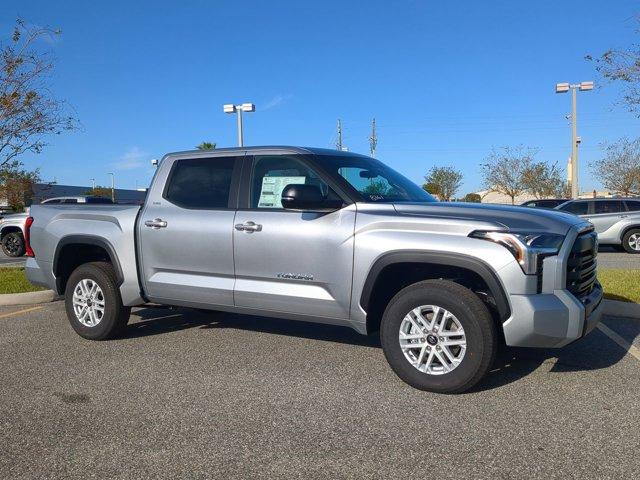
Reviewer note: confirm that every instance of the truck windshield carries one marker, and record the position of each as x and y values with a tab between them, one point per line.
373	179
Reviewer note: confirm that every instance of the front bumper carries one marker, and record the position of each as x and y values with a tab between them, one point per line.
552	320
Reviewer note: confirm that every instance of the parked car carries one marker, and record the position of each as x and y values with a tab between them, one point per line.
544	203
12	226
12	234
331	237
80	199
616	220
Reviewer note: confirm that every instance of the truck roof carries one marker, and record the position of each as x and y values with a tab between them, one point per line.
265	150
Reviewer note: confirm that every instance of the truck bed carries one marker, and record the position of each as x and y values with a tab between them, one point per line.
109	226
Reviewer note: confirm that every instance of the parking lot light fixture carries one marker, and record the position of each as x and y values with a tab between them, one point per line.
238	109
575	140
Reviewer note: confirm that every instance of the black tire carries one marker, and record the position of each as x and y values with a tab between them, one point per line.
627	239
474	317
13	244
115	316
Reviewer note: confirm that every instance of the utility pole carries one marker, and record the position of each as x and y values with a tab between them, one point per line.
373	139
575	188
575	139
339	136
238	109
93	184
113	187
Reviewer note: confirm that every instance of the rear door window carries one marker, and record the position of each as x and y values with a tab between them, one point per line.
608	206
633	205
201	183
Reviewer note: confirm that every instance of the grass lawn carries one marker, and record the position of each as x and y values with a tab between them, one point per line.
621	285
13	280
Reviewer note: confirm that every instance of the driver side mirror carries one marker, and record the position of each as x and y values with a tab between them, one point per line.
304	198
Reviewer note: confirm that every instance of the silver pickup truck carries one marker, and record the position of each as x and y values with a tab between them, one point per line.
332	237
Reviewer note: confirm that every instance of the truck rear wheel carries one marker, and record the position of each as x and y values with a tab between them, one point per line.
438	336
13	244
93	302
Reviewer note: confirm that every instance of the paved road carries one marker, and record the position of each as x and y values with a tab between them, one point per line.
10	261
609	257
193	395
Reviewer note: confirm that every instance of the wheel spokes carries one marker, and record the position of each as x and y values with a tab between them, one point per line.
432	339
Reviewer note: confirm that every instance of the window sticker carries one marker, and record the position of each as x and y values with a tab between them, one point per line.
272	188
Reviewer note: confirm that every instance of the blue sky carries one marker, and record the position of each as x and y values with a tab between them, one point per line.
446	81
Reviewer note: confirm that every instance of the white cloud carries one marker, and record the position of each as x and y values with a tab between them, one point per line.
132	159
275	102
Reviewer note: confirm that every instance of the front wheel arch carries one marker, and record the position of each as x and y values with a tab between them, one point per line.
463	269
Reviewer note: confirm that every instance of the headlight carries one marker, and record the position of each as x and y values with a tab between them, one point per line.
528	248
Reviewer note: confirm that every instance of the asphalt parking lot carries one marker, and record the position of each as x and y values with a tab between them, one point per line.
213	395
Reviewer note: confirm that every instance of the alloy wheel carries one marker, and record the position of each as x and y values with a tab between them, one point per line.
634	241
88	302
432	339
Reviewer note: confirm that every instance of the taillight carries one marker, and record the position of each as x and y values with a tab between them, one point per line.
27	237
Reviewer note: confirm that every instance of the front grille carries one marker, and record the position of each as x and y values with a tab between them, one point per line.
581	266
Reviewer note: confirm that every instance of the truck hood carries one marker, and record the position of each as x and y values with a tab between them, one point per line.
502	216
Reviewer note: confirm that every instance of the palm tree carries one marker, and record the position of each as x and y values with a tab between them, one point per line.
206	146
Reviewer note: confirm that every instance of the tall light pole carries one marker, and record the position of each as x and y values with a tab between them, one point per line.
93	184
113	187
238	109
575	140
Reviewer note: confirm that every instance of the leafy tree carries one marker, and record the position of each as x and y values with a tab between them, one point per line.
505	169
99	192
472	198
16	185
28	111
622	66
544	180
378	187
206	146
619	170
432	188
443	182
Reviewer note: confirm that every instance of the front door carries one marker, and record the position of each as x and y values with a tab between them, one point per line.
186	233
288	261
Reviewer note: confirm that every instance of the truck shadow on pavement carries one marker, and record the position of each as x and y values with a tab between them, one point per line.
595	351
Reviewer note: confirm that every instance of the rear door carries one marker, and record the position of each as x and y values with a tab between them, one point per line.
606	213
289	261
186	232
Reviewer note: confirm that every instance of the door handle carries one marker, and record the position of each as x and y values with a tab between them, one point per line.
156	223
248	227
623	216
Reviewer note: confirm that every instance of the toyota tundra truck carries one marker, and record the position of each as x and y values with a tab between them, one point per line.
331	237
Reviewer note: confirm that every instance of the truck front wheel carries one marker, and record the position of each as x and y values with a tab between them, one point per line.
93	302
438	336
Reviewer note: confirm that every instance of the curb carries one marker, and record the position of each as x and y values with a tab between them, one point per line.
616	308
28	298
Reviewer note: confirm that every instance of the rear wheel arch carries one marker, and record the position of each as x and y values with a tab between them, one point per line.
415	266
10	229
75	250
